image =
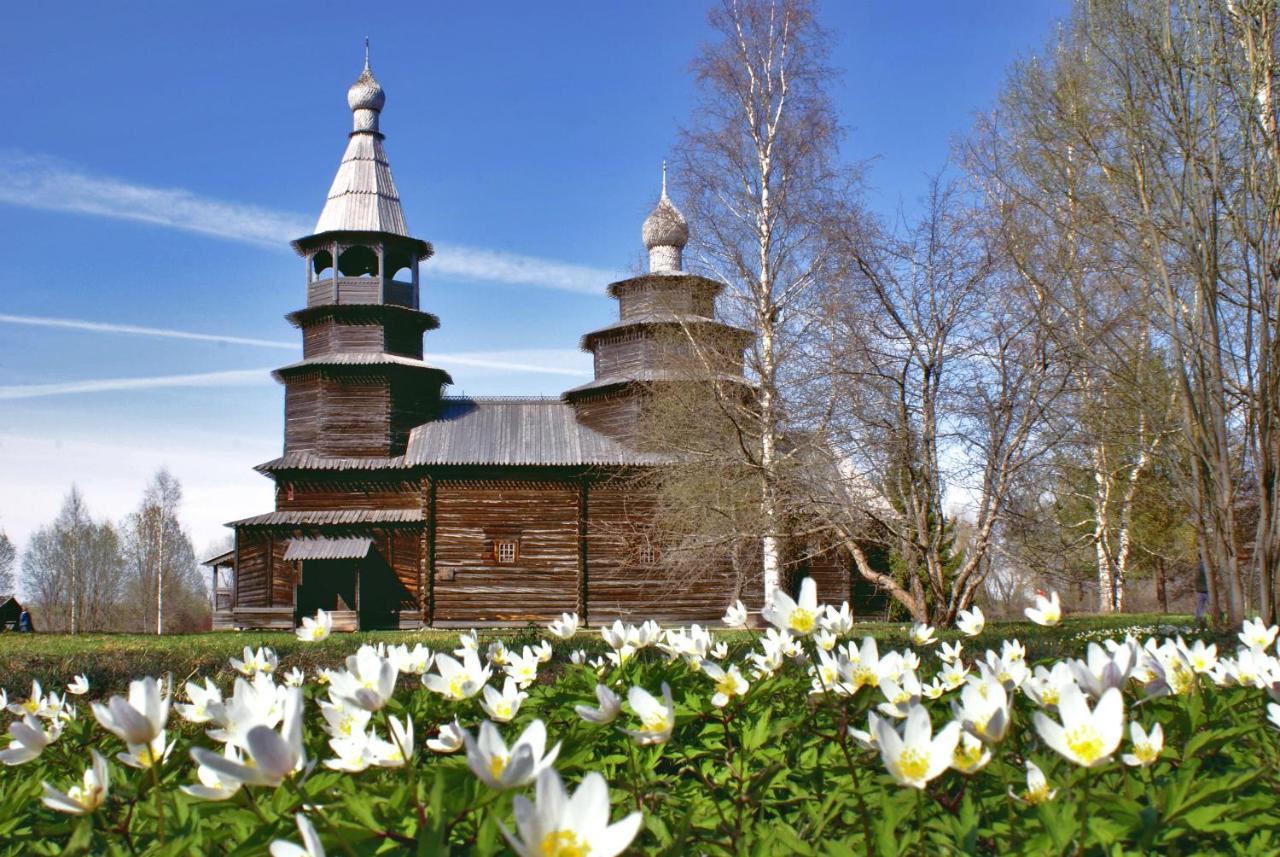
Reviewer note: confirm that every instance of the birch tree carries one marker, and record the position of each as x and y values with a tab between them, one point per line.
758	169
71	569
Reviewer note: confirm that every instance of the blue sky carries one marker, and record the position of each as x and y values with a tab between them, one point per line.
155	159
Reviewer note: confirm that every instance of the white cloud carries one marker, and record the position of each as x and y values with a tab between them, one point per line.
35	181
233	377
138	330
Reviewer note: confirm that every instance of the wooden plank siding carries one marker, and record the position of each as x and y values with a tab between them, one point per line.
620	587
470	585
305	491
251	570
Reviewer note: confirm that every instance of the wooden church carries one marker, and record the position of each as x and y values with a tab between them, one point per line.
399	506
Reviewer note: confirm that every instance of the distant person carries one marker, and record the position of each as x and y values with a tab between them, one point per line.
24	622
1202	592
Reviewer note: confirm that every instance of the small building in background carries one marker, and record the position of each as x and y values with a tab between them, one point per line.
10	610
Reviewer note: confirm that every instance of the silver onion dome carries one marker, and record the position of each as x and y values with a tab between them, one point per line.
665	232
366	98
366	93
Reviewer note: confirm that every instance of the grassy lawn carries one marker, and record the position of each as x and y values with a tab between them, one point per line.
111	660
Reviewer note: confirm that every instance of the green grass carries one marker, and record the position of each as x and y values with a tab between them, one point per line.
111	660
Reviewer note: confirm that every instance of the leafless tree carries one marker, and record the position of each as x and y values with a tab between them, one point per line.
71	569
8	557
760	177
942	368
165	587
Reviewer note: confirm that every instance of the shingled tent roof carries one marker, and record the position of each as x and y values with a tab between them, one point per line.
515	431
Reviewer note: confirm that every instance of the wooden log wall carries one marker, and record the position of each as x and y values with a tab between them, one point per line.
470	585
330	335
354	416
251	572
306	491
648	295
619	587
616	415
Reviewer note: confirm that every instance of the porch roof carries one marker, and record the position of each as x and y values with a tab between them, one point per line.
325	548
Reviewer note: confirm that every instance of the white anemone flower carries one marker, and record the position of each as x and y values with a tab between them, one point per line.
397	750
145	756
1201	657
1087	738
295	677
1257	635
317	629
467	641
610	707
617	635
272	756
949	653
253	703
36	704
213	785
310	847
79	686
729	682
971	622
1048	611
523	667
838	621
1044	686
567	826
922	634
901	695
501	707
343	720
983	709
1147	746
1038	790
1273	714
27	740
139	718
970	755
657	719
825	640
916	756
1102	670
457	681
565	627
369	681
736	615
544	651
415	661
799	616
84	798
448	740
502	768
264	660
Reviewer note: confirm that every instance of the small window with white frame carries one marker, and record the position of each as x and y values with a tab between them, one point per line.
645	553
506	551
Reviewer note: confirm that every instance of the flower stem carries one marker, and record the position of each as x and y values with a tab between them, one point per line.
155	779
1084	812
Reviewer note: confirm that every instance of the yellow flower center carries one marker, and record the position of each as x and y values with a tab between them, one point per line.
729	687
802	621
32	705
1145	753
1085	743
657	722
967	754
863	676
1050	696
563	843
503	709
1039	794
913	764
497	764
456	686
